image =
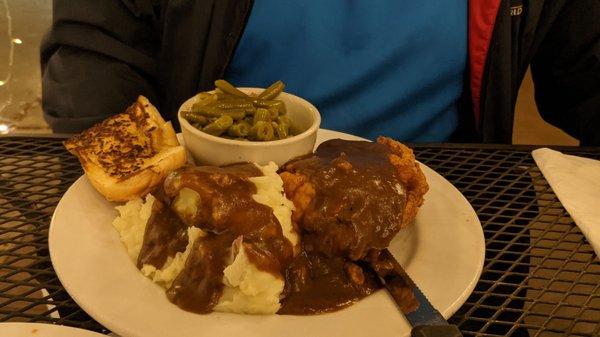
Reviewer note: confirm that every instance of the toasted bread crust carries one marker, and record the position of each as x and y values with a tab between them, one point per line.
128	154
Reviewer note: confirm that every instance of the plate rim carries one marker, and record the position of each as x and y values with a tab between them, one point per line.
453	308
125	329
51	328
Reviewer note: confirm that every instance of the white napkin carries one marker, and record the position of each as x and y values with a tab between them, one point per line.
576	183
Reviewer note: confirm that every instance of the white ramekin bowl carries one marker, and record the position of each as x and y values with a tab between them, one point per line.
211	150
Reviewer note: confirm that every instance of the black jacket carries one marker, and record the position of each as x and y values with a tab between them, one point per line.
99	55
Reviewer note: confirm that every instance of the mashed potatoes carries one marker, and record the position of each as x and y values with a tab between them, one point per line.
246	288
131	224
174	265
269	192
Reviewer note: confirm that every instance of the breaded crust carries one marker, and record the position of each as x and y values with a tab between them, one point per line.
410	174
300	190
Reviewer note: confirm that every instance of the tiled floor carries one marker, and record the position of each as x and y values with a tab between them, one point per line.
23	23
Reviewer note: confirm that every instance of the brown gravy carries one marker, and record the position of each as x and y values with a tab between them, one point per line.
318	284
358	201
165	236
226	212
356	210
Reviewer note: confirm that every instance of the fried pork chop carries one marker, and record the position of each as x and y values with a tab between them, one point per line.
353	197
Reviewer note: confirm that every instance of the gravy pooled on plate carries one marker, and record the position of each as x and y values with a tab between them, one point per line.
349	202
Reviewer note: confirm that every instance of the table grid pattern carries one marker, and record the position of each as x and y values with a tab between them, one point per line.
540	276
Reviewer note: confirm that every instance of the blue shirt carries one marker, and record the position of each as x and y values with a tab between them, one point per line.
380	67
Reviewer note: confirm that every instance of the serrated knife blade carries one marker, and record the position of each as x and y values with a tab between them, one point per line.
425	319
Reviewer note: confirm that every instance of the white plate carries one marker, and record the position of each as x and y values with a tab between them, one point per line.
43	330
443	252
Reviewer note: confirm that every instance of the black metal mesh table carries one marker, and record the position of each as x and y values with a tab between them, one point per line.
541	277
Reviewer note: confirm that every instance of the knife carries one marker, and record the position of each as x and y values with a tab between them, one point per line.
425	319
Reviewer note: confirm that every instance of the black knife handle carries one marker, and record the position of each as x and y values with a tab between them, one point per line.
435	331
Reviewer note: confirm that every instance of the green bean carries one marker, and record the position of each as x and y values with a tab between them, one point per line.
282	130
250	110
236	114
230	113
284	120
219	126
220	95
228	88
261	115
273	112
196	107
205	98
239	130
272	91
281	107
263	131
194	117
292	129
234	104
210	112
213	112
203	95
263	103
249	120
